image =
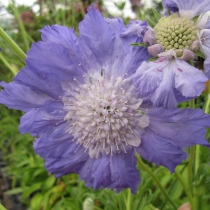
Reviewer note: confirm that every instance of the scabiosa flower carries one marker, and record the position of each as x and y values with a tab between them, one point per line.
190	9
174	42
85	112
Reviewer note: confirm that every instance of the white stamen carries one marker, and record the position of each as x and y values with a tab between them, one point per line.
103	114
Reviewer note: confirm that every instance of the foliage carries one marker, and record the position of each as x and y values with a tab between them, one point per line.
40	190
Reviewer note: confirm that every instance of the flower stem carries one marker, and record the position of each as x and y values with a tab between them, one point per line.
2	207
192	156
147	169
12	45
207	107
179	177
190	165
128	202
21	26
7	64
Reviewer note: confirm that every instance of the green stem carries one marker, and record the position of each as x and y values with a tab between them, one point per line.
197	157
2	207
21	26
190	165
147	169
152	207
7	64
179	177
207	107
128	202
192	155
12	45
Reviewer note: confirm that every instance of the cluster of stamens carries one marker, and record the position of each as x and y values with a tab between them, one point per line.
104	115
174	32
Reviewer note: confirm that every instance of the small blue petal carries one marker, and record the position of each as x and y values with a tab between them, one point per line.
207	67
170	5
189	80
197	6
135	28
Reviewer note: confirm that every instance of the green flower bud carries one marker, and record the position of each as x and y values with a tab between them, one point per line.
180	41
184	38
179	53
172	42
175	32
176	45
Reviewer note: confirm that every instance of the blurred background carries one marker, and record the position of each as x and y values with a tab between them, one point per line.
24	183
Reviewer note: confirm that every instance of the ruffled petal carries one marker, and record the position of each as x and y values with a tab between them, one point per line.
148	77
160	151
93	27
164	94
205	42
205	49
47	64
65	37
155	81
38	121
162	80
207	67
129	58
207	26
62	155
196	7
183	128
189	80
115	172
20	97
170	5
135	28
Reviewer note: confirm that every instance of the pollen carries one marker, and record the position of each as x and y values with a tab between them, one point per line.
104	115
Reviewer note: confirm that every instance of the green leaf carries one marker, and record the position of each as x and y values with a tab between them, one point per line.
36	201
139	44
156	14
14	191
152	23
2	207
31	189
49	183
152	59
200	54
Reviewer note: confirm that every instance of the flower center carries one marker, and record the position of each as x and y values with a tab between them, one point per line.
174	32
104	115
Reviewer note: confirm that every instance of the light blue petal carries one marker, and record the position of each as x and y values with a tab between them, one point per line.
189	80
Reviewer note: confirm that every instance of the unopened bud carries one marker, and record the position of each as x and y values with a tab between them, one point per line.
149	38
188	55
154	50
185	206
179	52
195	45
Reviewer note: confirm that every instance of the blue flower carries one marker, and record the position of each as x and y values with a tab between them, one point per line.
191	8
174	42
171	5
87	115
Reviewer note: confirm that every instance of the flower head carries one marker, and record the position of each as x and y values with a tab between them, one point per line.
175	41
87	114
